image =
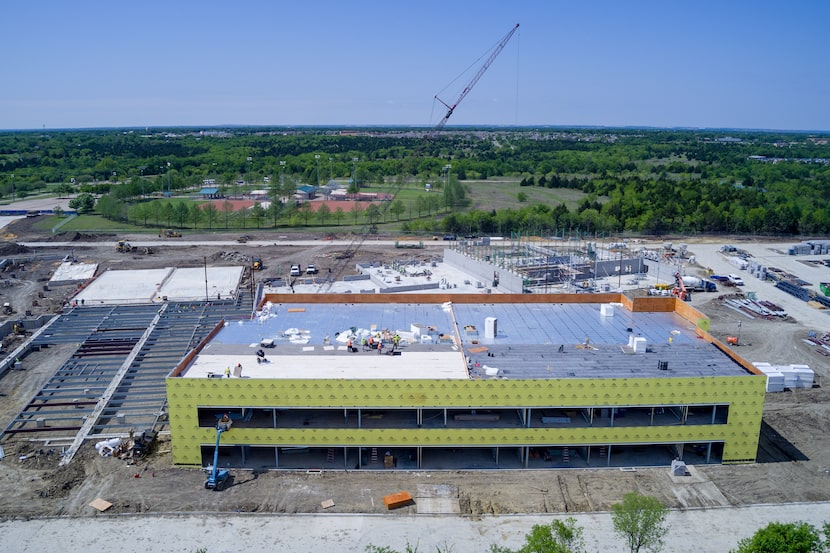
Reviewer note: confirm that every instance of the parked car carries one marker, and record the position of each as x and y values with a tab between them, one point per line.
311	270
736	280
295	270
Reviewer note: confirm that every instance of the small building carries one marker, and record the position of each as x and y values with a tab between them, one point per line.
306	192
210	192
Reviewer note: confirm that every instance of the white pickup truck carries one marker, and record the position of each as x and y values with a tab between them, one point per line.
735	280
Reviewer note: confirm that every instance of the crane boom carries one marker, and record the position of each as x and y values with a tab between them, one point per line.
450	109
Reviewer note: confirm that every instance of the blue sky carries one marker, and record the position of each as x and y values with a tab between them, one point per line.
115	63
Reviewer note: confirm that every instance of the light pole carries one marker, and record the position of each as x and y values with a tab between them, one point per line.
250	171
331	171
141	169
12	187
282	177
447	168
354	173
317	161
169	194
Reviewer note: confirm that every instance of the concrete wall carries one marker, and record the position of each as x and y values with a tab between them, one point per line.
509	282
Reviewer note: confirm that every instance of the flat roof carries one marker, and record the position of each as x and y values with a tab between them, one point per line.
533	341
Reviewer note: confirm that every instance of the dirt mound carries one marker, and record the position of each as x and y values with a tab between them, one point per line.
12	248
232	258
74	236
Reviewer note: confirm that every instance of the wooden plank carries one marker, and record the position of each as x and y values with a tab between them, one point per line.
398	499
327	504
296	309
481	349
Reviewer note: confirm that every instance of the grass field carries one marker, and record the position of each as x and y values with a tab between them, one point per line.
486	195
502	194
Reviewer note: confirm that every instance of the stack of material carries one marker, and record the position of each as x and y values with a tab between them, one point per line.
780	377
805	375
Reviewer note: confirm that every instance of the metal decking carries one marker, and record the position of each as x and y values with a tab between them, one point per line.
117	372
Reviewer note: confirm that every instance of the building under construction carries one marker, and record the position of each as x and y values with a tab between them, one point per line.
522	381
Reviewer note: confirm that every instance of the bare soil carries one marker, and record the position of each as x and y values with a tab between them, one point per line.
793	456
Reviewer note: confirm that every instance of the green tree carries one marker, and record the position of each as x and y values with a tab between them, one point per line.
83	203
257	213
779	537
357	211
640	521
227	211
372	213
323	213
397	209
521	197
210	212
195	214
182	213
305	211
560	536
338	214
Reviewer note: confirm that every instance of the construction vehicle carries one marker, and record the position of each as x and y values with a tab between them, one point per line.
699	284
257	264
679	289
244	238
18	328
7	309
218	477
123	246
170	233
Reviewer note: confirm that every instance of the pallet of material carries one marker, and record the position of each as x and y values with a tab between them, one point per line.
396	500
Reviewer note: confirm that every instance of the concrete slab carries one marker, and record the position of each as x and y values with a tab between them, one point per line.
73	272
120	287
154	285
192	284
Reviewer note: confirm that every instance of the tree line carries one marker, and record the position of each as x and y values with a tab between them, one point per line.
645	181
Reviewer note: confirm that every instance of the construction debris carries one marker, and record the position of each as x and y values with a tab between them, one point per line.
137	445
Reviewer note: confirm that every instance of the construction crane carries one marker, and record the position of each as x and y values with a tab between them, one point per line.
358	240
451	108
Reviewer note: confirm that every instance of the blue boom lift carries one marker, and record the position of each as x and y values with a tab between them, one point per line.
218	478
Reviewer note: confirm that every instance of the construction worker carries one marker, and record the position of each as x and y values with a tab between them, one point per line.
380	347
228	372
371	342
396	340
349	345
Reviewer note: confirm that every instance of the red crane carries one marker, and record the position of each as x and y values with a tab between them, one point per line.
451	108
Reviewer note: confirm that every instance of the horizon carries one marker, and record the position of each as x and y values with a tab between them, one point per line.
95	65
421	128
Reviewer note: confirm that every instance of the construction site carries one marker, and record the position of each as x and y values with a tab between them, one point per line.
142	355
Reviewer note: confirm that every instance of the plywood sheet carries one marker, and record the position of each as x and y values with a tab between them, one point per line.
398	499
101	504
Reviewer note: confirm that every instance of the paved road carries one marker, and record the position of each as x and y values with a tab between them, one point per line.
703	531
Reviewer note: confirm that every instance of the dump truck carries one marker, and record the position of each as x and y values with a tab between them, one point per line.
257	264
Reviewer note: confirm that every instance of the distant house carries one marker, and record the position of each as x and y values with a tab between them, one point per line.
306	192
